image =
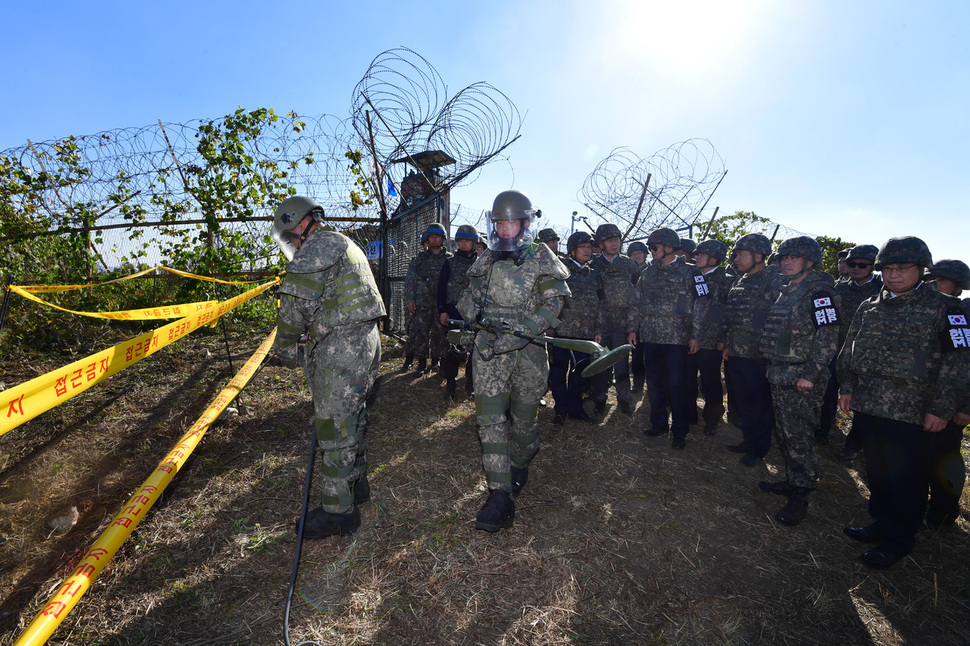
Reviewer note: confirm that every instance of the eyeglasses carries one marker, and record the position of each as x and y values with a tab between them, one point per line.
897	269
655	247
858	265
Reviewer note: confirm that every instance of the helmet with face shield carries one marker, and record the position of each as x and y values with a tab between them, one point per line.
511	206
290	222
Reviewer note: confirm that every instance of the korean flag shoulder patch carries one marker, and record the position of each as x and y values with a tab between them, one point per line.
824	311
701	286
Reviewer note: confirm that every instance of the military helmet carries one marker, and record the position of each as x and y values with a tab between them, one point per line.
713	248
467	232
511	205
576	239
288	216
903	250
664	237
606	231
955	270
755	243
636	246
801	247
547	235
844	253
434	229
687	245
863	252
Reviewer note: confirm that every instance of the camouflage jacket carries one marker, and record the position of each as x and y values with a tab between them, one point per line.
906	356
711	327
521	290
801	333
453	280
581	316
746	309
421	281
672	303
619	294
852	296
328	284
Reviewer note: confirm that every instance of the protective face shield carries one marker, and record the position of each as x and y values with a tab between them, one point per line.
509	206
290	223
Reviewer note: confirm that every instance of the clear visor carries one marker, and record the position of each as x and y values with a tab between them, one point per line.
522	239
287	241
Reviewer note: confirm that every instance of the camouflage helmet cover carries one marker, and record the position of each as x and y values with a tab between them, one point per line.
606	231
903	250
955	270
801	247
576	239
863	252
713	248
755	243
665	237
467	232
687	245
547	235
434	229
636	246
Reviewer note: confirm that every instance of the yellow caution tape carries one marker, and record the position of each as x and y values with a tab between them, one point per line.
31	398
148	313
47	289
208	278
107	545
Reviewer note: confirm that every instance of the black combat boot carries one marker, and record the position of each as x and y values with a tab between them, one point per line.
796	509
520	475
781	488
422	366
321	524
498	512
361	490
407	362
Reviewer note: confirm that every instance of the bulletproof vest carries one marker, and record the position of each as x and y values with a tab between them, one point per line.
663	291
897	337
330	269
789	332
853	296
459	264
719	283
746	309
579	310
619	293
421	282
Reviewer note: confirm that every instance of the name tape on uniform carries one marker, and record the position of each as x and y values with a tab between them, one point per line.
825	312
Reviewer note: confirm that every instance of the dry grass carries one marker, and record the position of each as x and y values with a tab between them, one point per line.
618	539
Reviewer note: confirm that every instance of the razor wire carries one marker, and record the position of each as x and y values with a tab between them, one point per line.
404	102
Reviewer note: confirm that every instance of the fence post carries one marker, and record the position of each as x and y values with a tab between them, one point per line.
6	301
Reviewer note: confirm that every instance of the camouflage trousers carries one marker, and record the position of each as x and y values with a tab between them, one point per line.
426	336
796	418
508	388
341	369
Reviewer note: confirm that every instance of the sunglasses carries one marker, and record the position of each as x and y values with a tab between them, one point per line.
858	265
655	247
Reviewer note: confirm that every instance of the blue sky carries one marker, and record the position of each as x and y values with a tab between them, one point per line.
840	118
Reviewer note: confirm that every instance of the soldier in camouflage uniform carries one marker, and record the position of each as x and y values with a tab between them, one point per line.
671	306
420	292
948	472
580	318
745	313
903	371
452	283
638	254
516	286
709	256
618	273
800	338
860	285
685	249
550	238
329	291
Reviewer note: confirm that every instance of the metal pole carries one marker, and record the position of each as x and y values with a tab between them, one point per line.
6	301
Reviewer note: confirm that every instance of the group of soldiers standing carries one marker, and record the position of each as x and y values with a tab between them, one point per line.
786	341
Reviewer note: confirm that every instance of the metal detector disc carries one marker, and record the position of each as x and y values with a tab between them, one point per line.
606	360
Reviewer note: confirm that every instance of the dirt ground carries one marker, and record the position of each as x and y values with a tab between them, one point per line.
618	538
